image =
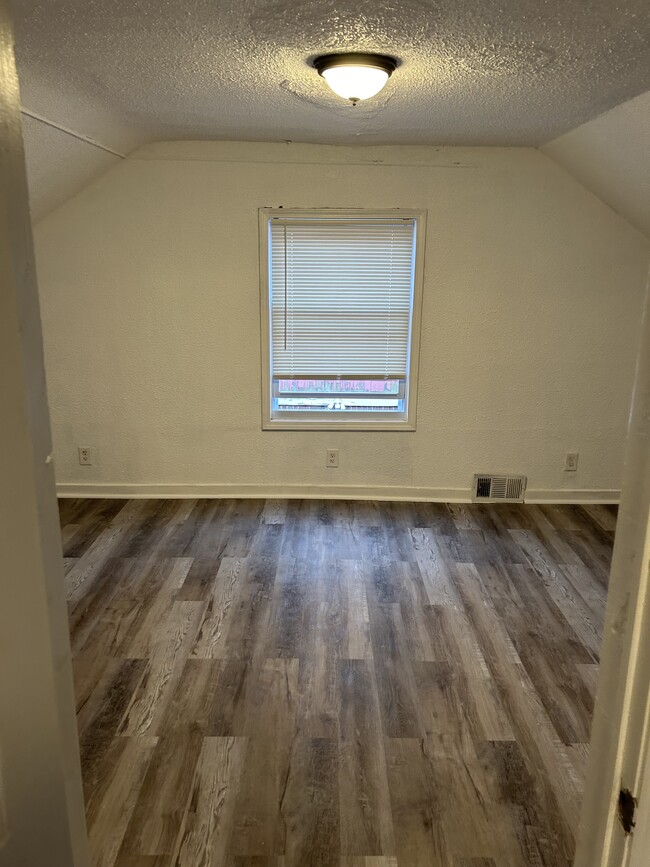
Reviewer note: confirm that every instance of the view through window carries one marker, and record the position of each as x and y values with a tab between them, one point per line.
339	297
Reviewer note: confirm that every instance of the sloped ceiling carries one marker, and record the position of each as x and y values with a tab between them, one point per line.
501	72
59	165
611	157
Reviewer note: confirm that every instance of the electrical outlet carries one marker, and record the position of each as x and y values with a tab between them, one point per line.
332	458
85	456
571	462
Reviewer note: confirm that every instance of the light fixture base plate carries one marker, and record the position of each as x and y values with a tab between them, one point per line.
355	58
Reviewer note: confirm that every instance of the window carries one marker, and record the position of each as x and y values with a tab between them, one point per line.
341	297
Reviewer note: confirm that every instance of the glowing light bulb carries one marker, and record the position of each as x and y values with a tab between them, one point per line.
355	76
355	82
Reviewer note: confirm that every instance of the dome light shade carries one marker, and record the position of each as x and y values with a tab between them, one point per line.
355	82
355	76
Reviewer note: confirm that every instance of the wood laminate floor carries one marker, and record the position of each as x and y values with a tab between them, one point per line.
357	684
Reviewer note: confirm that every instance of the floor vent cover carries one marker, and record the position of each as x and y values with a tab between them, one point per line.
498	489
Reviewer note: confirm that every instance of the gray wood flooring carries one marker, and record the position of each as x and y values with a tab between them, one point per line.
341	684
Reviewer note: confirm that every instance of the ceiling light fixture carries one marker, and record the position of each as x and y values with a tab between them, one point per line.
355	76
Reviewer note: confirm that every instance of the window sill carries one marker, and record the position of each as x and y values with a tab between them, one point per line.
344	425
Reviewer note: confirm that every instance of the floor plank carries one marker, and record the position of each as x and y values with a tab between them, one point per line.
290	683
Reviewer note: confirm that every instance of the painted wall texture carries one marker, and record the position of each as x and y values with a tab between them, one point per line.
41	799
150	297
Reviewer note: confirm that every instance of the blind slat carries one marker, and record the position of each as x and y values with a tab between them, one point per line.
341	297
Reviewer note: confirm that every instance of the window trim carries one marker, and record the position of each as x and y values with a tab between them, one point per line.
346	423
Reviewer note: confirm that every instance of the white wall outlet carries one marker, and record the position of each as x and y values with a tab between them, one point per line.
571	462
332	458
85	456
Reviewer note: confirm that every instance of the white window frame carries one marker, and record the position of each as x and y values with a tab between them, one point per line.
346	421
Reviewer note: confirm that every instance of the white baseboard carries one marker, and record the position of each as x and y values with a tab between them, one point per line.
310	492
573	497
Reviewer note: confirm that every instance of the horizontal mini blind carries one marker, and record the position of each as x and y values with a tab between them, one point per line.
341	297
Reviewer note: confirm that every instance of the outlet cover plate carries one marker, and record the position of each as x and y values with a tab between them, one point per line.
332	458
571	462
85	456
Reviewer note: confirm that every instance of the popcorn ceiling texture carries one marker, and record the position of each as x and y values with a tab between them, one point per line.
498	72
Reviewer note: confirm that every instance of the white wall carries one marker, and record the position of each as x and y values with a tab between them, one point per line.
150	297
41	799
611	157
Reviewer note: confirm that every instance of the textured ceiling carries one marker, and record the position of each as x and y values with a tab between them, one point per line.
497	72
